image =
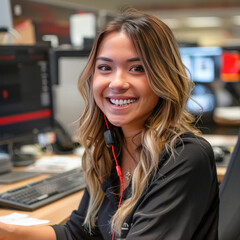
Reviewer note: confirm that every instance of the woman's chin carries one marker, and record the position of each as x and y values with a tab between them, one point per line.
116	121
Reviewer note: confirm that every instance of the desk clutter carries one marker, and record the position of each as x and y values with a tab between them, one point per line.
222	153
7	175
55	164
22	219
227	115
44	164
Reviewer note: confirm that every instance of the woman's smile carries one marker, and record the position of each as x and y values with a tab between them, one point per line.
122	101
120	84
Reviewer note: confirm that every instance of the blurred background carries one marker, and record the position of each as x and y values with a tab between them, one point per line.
207	31
200	21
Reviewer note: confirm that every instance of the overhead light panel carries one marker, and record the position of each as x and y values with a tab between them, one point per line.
171	22
236	20
203	22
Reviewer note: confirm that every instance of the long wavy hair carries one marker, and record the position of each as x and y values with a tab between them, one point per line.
157	48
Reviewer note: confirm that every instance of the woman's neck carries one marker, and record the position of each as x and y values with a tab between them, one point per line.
132	139
129	159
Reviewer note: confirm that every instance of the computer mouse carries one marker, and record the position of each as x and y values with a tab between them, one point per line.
219	154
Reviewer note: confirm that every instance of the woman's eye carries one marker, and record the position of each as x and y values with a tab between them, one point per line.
138	68
104	68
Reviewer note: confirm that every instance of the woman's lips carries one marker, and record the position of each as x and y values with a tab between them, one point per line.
122	101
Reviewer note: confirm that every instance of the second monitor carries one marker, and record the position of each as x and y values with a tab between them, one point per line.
66	67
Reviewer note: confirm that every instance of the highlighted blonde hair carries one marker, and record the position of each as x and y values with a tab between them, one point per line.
157	48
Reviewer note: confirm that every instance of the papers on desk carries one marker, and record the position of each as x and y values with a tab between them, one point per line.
228	113
21	219
55	164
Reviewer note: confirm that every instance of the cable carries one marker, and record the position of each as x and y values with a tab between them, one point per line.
120	175
106	122
10	32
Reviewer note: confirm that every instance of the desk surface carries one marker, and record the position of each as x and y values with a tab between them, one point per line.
220	173
59	211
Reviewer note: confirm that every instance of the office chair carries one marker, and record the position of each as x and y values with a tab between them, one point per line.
229	209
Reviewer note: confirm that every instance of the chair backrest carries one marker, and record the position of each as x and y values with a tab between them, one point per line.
229	209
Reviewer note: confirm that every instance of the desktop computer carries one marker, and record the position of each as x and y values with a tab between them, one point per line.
66	67
25	92
230	71
26	111
203	68
26	107
216	74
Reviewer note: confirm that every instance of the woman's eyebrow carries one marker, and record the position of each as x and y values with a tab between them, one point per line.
135	59
104	59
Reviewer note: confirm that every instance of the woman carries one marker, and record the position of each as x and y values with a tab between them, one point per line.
165	185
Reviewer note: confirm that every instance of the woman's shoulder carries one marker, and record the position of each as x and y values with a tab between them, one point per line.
191	151
191	143
189	137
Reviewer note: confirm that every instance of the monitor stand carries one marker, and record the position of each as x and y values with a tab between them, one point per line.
5	163
8	175
21	159
18	157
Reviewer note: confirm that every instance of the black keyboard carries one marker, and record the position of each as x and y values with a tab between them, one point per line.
39	193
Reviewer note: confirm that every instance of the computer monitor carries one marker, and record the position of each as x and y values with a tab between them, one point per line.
5	15
26	107
203	100
203	68
202	63
230	71
230	68
66	67
63	58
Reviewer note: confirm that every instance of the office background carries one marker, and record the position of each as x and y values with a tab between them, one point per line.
202	21
208	33
70	26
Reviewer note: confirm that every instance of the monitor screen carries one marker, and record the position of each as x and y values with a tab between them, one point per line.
5	15
230	68
25	92
202	63
66	67
202	100
73	59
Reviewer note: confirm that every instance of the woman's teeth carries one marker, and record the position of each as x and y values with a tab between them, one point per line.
122	102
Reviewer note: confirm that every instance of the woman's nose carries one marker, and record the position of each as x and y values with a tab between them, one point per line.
119	81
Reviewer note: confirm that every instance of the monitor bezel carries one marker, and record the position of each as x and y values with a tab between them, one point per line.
30	136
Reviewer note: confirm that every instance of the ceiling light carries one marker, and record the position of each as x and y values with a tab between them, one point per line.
236	20
198	22
171	22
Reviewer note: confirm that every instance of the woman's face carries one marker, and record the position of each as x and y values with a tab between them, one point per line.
120	85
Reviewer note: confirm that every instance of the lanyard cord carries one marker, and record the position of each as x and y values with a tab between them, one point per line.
120	175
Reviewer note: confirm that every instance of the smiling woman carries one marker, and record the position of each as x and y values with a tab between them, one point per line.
120	84
158	178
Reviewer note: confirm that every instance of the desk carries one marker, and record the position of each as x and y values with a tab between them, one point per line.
221	140
59	211
56	212
220	173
